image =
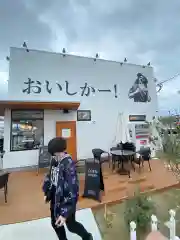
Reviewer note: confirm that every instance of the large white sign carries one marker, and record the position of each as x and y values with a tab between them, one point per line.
37	75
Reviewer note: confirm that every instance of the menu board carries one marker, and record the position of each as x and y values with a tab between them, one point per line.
66	133
92	179
137	118
44	157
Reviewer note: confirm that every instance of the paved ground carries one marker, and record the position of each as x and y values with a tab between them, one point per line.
41	229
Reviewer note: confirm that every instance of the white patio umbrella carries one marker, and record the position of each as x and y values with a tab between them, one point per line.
121	131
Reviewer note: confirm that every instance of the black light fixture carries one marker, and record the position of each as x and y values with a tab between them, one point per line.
8	58
155	80
65	111
143	66
25	46
149	64
64	52
97	56
121	63
125	59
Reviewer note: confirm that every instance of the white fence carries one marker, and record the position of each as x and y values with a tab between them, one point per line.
171	224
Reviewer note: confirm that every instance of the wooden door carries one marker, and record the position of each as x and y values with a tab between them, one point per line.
67	130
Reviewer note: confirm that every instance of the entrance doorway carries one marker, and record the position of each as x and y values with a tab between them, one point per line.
67	130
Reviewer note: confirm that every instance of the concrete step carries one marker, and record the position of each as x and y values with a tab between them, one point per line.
105	175
115	189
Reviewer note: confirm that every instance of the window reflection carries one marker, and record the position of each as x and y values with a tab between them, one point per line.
27	130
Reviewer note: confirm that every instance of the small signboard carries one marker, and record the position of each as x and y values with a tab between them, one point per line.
44	157
93	180
66	133
137	118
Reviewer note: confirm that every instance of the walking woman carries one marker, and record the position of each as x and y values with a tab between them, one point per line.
61	189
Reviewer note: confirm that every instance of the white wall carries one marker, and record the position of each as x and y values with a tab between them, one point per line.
95	134
89	135
101	132
105	108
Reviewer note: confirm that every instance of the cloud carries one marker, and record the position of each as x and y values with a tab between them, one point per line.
140	30
169	96
18	23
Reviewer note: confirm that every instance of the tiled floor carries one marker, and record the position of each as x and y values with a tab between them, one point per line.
25	199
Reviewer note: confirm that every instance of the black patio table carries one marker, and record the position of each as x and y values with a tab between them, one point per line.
123	155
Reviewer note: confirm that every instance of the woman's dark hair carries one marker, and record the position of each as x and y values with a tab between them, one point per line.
143	79
57	145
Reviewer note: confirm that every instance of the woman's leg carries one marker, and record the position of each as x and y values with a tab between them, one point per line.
60	231
77	228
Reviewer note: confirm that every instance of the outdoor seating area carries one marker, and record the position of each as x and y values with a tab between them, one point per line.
125	156
25	197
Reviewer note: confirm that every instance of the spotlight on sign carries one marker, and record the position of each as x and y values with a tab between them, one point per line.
121	63
7	58
64	52
143	66
125	60
25	47
96	57
155	80
149	64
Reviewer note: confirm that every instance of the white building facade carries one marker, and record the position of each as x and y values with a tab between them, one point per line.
81	99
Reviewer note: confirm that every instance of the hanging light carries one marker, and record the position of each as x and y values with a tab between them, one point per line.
64	52
96	57
25	47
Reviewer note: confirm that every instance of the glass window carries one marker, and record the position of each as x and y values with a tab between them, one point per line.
27	130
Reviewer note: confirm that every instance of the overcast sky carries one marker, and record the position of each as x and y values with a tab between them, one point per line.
141	30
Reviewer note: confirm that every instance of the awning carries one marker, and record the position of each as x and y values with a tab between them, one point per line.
35	105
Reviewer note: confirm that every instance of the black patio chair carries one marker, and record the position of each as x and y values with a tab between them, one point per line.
97	152
131	147
145	155
4	176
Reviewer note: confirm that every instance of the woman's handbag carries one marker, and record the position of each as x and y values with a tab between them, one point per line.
47	186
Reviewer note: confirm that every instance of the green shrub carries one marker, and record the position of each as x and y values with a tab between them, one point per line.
139	209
